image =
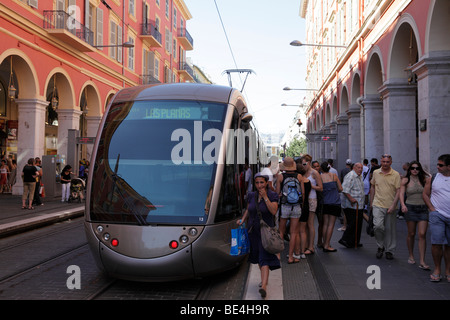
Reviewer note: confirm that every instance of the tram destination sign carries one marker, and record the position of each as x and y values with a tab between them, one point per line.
85	140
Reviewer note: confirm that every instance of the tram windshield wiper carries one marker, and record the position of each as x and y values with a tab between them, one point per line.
130	204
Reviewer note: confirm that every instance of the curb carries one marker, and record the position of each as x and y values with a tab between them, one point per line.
12	228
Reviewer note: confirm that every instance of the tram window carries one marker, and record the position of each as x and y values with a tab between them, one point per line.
229	201
142	182
228	206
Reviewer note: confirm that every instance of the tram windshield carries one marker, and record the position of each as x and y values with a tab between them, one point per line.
156	162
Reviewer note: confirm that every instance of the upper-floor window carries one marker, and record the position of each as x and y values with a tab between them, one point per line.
115	39
174	18
131	7
167	9
131	55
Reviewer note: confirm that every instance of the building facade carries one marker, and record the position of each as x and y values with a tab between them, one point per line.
388	89
61	61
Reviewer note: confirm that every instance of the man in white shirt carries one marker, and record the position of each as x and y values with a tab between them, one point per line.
436	195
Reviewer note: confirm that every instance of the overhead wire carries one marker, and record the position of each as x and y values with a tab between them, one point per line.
231	50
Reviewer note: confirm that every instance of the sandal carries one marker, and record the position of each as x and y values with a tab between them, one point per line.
309	251
412	261
30	208
293	261
435	278
424	267
23	207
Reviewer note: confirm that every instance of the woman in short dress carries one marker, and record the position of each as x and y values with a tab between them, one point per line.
415	210
331	204
267	200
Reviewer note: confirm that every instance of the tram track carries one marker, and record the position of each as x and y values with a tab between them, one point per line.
41	263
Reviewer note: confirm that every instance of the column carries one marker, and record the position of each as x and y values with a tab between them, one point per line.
373	122
31	135
67	119
354	132
399	115
433	73
93	122
342	151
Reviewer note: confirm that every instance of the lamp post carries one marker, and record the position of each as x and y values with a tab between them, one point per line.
297	43
124	45
288	89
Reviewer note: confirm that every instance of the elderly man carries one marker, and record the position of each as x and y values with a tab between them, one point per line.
384	195
353	205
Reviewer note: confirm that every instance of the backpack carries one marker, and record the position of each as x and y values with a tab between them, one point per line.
291	189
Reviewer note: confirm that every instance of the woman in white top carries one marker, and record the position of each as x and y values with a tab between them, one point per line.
316	185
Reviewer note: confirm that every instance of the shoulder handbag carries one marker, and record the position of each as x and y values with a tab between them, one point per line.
270	236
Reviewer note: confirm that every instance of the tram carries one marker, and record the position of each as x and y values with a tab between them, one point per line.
163	191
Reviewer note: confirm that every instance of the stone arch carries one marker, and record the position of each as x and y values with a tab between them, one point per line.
405	49
93	102
374	73
436	37
64	87
344	103
328	113
356	88
24	72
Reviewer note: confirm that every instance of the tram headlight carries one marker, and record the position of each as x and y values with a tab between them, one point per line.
99	229
106	236
193	232
184	239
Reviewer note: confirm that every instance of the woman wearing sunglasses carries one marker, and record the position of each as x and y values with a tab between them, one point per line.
415	210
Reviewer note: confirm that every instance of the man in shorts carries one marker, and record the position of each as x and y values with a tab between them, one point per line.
436	195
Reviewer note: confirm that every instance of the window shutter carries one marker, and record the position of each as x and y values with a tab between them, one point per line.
119	42
33	3
99	27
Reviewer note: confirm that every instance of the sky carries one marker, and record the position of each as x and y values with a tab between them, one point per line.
259	33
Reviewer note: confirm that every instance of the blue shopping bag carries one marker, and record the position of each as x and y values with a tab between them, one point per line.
240	244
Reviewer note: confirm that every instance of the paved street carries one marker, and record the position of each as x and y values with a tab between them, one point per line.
342	275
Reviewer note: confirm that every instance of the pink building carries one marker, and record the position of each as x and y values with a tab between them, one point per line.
67	58
387	90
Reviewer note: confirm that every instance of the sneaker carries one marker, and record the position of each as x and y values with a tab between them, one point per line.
380	253
389	256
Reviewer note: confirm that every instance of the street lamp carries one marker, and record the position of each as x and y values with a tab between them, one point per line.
297	43
127	44
288	89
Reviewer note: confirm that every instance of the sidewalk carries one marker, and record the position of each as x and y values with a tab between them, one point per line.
348	274
14	219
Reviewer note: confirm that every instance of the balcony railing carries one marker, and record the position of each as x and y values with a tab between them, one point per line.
148	30
186	69
185	38
61	24
148	79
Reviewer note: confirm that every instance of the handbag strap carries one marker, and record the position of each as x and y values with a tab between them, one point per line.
257	207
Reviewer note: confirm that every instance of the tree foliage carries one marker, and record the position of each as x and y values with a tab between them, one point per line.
296	148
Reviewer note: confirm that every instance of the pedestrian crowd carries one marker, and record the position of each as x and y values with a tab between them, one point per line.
32	174
375	193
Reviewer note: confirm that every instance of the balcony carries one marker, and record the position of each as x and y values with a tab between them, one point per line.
151	35
185	39
64	27
148	79
186	72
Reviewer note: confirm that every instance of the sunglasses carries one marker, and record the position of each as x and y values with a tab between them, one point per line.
440	165
386	156
414	168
